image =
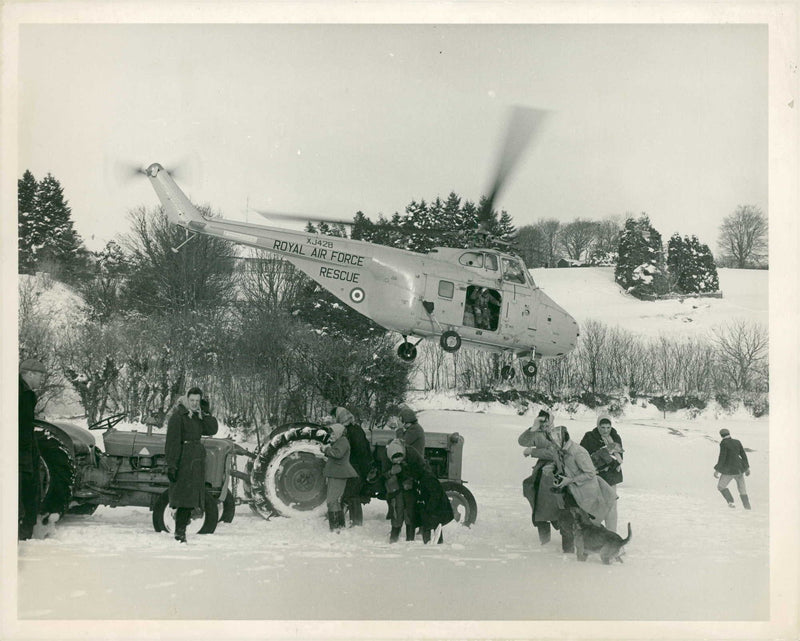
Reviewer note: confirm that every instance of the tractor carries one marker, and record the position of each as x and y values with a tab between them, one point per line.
286	472
77	476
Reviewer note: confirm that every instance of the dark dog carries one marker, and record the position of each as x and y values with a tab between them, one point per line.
590	537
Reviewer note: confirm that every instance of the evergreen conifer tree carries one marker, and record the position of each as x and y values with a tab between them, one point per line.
641	269
29	232
691	265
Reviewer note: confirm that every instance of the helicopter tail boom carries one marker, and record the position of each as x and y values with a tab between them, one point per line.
177	206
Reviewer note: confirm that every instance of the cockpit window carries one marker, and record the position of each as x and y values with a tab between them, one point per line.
491	262
512	272
471	259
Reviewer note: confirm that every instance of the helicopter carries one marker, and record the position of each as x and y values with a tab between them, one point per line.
480	297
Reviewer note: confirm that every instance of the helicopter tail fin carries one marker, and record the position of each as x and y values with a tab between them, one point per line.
177	206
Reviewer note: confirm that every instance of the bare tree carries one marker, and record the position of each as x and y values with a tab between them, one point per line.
550	230
743	236
577	237
742	351
606	241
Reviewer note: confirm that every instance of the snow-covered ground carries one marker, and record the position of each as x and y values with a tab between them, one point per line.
691	558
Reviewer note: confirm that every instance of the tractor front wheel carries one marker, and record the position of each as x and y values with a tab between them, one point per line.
465	509
204	520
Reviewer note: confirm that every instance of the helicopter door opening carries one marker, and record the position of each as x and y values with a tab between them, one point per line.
482	308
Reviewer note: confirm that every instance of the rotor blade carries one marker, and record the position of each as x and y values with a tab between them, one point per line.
523	124
302	218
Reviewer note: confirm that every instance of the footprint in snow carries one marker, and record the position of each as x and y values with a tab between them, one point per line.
163	584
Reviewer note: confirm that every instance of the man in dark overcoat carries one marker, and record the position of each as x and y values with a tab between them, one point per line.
732	464
186	457
31	376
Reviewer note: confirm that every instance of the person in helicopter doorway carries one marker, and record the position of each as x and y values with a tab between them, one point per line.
336	472
415	495
547	507
361	460
186	456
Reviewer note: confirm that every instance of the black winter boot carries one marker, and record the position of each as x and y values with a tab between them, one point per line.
426	536
745	501
394	535
726	493
332	520
544	531
356	512
410	531
339	519
182	517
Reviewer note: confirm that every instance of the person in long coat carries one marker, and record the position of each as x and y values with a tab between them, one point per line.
579	477
546	506
360	459
732	464
604	445
31	375
186	457
336	472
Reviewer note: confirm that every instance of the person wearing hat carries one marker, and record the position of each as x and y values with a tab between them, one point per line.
412	434
604	445
31	377
336	472
185	456
732	464
546	506
360	459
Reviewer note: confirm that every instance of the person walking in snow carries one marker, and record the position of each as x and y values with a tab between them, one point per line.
361	460
336	472
546	506
31	376
186	456
412	434
604	445
732	464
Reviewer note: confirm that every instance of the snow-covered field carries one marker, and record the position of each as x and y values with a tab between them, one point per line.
691	558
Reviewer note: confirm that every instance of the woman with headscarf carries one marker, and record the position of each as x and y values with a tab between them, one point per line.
579	478
547	507
360	459
337	471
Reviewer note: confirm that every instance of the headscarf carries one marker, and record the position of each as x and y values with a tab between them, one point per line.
344	416
337	430
395	447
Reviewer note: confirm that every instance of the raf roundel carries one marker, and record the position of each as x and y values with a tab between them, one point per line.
356	294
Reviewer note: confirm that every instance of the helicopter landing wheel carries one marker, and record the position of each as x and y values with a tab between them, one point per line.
530	368
507	373
407	351
450	341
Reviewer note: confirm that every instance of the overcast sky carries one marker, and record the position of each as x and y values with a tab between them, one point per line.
331	119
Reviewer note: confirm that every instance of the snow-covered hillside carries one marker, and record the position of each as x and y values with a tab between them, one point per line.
591	293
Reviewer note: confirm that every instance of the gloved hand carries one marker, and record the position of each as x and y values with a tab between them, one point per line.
716	474
172	474
528	451
747	472
408	484
395	469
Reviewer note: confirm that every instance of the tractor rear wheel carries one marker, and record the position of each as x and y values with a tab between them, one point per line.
56	473
465	509
287	474
204	520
